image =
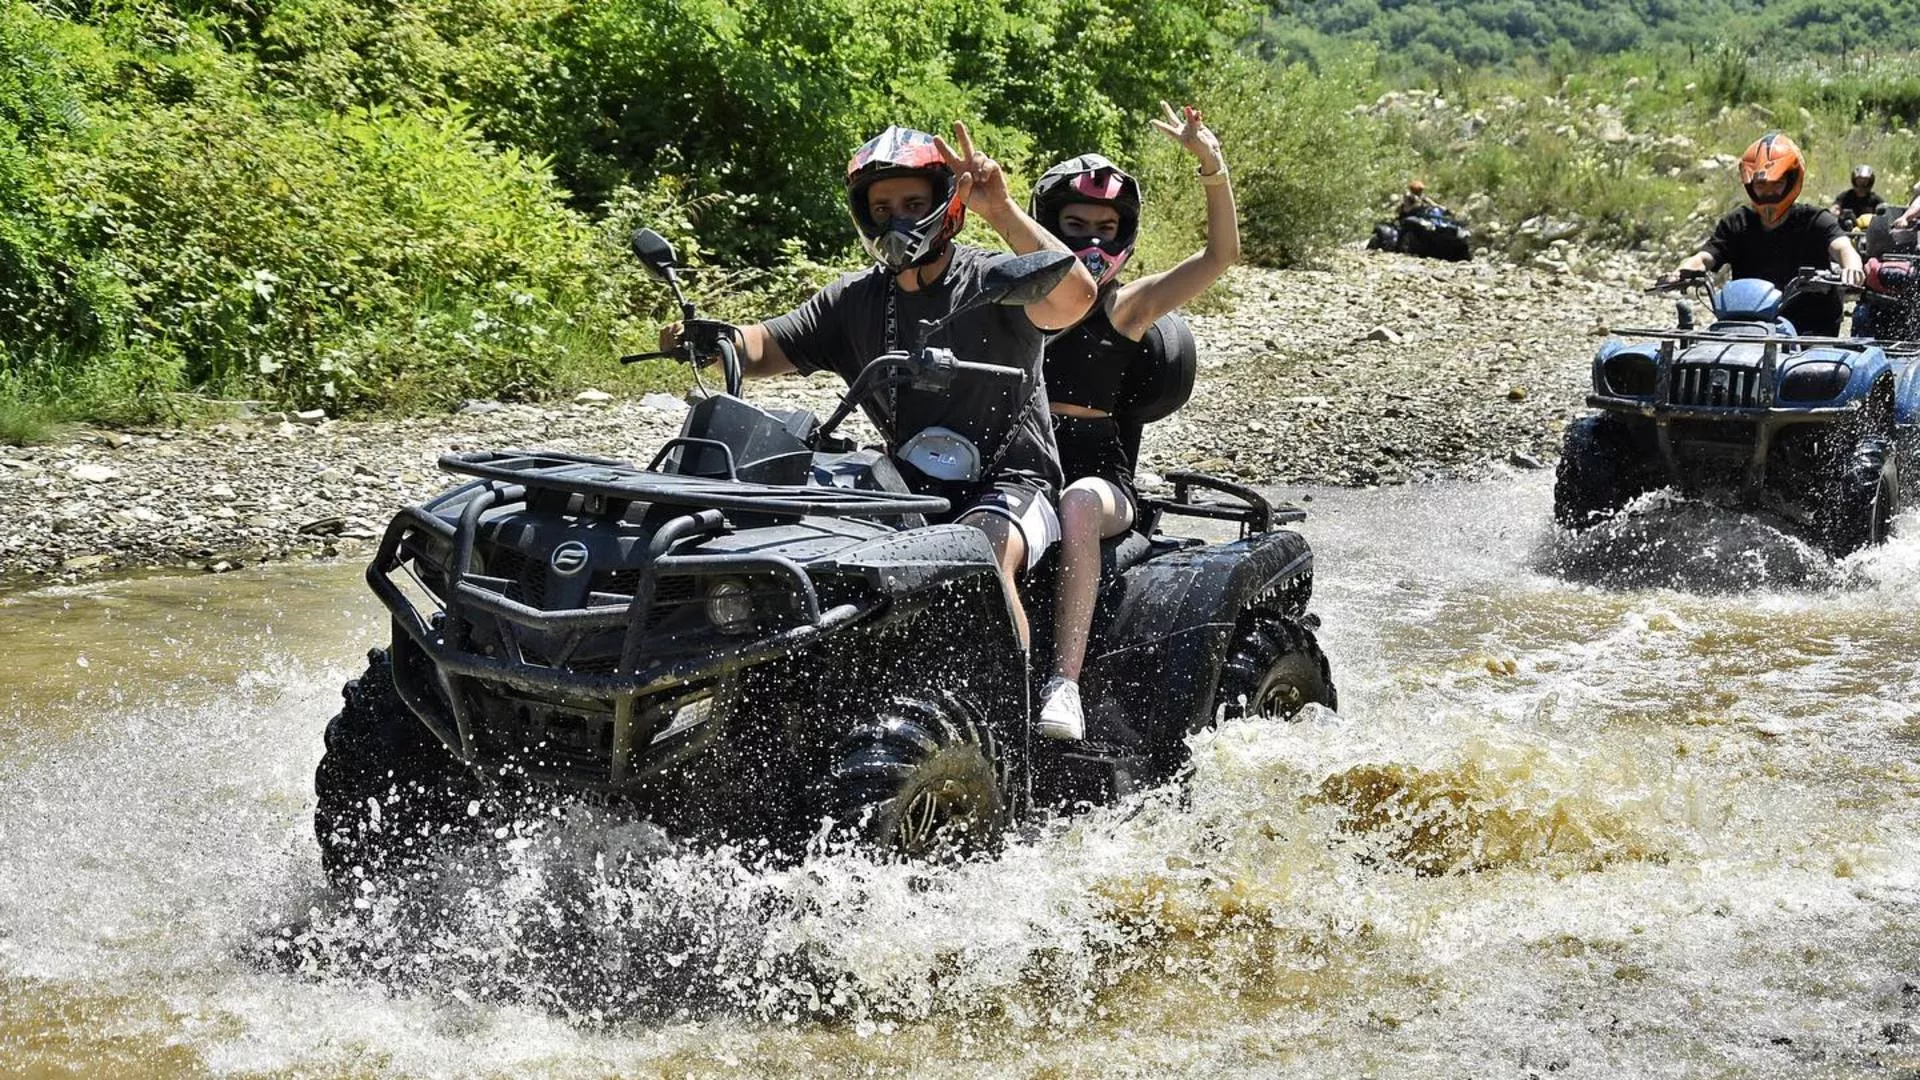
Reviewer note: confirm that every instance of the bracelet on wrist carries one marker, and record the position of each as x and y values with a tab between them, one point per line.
1214	178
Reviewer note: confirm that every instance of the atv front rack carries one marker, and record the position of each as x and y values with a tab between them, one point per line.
620	481
1891	348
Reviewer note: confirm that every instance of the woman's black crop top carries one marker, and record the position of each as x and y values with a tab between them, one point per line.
1088	363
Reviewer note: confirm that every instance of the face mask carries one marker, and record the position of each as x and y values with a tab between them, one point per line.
1103	258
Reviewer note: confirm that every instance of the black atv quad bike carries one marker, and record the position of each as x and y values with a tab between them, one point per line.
762	636
1433	233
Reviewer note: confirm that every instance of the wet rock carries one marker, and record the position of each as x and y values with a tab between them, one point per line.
1521	460
86	562
664	403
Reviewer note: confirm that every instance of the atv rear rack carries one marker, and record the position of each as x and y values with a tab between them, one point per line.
1253	512
619	481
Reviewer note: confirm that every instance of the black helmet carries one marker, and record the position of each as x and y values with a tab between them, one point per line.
899	244
1091	178
1863	172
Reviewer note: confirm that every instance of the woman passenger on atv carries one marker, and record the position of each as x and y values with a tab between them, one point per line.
1095	208
909	193
1774	237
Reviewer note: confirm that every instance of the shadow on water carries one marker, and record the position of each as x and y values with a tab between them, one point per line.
1663	541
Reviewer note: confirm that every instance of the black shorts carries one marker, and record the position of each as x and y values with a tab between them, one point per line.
1090	446
1022	500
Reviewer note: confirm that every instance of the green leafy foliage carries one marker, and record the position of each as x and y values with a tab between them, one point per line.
399	204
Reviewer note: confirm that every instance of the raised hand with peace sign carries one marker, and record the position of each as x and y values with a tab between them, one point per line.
983	185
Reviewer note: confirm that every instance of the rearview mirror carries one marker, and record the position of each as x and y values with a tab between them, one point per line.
1019	280
655	253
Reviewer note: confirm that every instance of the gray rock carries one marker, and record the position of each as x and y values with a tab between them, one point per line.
1384	333
94	474
592	397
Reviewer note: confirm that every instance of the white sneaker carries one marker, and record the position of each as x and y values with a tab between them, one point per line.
1060	716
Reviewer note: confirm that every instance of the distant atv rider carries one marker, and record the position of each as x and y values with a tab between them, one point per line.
1095	208
1774	237
909	193
1859	198
1415	202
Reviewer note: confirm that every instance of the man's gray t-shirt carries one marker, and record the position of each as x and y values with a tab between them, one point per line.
844	326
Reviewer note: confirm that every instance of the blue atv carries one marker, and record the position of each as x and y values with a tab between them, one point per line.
1816	430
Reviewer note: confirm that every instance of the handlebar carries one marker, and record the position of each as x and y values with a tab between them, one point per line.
701	342
927	369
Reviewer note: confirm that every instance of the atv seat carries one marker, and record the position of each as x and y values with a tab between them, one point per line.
1121	553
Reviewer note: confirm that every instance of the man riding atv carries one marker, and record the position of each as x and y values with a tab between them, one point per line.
1859	198
1774	237
989	450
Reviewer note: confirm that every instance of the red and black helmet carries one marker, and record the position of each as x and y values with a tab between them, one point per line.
898	244
1093	179
1773	159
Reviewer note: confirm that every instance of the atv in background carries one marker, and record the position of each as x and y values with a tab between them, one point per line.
761	637
1433	233
1889	305
1817	430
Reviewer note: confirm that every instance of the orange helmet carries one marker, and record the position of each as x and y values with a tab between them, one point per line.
1774	160
1416	187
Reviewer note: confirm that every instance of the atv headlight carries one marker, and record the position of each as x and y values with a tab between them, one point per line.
730	605
1815	381
1629	374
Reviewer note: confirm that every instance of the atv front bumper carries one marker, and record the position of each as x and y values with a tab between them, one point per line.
593	730
1754	430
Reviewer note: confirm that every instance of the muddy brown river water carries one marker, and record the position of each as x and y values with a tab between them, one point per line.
1644	805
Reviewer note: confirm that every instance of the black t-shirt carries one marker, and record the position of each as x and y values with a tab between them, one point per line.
1088	364
1852	204
844	325
1778	254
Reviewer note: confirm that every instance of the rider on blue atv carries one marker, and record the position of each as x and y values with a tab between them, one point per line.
985	447
1774	238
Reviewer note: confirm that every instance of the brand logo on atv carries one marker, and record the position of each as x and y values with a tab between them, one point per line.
569	558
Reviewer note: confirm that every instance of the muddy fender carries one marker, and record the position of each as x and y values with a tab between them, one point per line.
1163	629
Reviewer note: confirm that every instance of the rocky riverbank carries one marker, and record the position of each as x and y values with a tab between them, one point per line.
1376	369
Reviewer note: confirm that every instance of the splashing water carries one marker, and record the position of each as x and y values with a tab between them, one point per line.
1564	823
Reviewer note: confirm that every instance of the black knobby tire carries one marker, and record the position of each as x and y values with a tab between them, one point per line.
922	779
385	786
1864	499
1274	668
1595	476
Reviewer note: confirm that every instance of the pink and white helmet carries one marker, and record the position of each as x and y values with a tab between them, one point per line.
1093	179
